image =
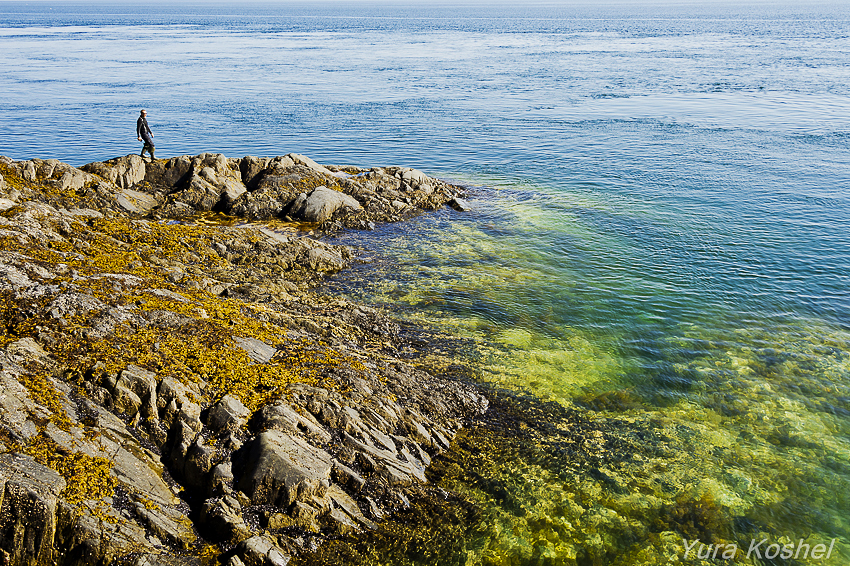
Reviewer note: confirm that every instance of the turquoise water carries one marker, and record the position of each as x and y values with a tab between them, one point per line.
653	279
736	395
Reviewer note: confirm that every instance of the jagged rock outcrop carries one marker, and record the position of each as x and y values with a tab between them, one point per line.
169	385
289	187
292	187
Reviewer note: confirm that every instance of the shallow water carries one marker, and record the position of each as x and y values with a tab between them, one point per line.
740	401
653	279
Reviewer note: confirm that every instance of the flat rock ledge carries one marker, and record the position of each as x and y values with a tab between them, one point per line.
172	391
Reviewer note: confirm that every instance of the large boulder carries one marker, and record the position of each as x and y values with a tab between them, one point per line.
45	168
325	261
321	204
138	386
252	168
125	171
282	468
216	162
227	414
414	177
200	193
172	173
259	204
232	189
284	418
69	178
178	401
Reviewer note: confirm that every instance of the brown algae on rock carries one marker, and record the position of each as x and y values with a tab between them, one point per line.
149	326
121	334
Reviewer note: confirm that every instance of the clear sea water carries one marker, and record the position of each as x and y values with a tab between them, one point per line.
659	239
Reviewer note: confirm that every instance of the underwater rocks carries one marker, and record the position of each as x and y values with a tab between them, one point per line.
174	391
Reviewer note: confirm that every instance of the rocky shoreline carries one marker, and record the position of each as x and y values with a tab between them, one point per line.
173	392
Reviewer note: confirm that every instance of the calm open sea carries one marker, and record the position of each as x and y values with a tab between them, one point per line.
659	243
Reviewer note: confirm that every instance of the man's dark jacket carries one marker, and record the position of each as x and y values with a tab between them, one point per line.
143	131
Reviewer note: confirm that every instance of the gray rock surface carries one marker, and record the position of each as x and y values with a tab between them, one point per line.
260	551
124	172
282	468
28	509
136	202
229	413
325	261
304	160
321	204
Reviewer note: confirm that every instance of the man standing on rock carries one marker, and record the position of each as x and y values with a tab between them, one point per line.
144	134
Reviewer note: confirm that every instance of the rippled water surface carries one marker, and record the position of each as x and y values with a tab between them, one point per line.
653	278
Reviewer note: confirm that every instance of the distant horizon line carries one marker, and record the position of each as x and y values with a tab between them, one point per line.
437	2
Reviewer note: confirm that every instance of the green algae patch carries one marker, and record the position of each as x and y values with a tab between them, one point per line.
730	426
756	451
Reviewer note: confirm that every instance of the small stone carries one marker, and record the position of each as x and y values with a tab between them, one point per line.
459	204
257	350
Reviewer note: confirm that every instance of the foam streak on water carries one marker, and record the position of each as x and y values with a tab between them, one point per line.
658	243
